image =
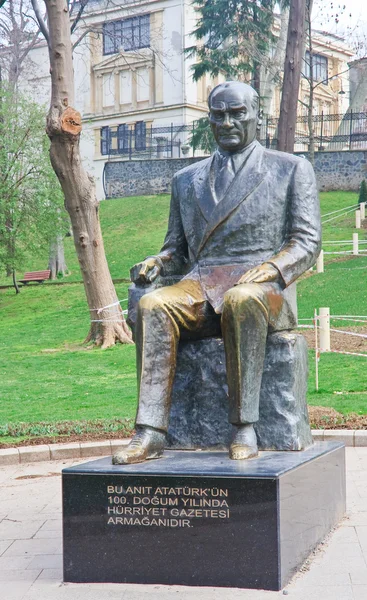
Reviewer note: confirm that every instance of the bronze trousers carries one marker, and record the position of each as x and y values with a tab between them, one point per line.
182	311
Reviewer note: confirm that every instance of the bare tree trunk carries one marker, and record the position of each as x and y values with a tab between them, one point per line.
292	75
272	73
311	81
56	261
15	283
64	127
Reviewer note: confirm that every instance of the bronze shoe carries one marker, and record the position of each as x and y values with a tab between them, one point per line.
244	443
147	443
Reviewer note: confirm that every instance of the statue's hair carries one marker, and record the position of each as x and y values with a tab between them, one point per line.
255	100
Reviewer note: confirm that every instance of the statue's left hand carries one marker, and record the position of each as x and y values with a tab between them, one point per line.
264	273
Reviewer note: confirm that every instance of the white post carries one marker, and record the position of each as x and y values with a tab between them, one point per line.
316	325
362	208
355	244
320	262
324	320
358	219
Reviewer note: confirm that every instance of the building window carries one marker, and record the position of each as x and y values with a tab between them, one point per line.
140	136
129	34
123	139
319	67
105	140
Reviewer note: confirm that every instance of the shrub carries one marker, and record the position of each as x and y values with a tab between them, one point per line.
363	192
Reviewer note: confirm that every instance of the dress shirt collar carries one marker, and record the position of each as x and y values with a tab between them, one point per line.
238	158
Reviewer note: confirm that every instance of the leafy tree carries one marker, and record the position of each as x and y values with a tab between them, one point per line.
363	192
234	37
202	136
30	196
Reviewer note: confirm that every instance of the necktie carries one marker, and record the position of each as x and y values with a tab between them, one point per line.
224	177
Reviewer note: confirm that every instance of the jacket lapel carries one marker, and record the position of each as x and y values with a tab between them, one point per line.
246	180
204	187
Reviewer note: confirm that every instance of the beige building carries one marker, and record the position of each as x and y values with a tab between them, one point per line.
331	89
134	86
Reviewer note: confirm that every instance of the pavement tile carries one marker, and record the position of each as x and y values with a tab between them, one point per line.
33	547
20	575
14	590
332	592
48	534
360	592
4	545
318	576
52	525
46	561
19	530
359	577
346	534
51	575
14	563
128	592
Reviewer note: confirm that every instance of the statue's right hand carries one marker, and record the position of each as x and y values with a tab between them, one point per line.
146	271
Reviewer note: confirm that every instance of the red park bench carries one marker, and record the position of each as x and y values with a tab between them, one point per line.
37	276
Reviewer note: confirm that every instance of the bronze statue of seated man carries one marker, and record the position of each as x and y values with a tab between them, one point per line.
244	224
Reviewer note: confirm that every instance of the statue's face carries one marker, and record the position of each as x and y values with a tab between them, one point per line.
232	117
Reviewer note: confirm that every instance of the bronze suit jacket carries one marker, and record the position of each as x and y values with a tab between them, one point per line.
270	213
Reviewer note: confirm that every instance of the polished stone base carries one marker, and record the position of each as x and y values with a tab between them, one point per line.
200	519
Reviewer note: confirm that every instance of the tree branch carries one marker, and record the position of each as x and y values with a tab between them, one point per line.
83	4
41	23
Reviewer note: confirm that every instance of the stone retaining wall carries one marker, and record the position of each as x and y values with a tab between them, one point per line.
142	177
342	170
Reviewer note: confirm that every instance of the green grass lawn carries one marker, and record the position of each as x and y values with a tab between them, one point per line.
132	229
340	228
48	375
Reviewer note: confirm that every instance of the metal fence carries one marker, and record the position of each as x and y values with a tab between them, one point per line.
331	132
141	142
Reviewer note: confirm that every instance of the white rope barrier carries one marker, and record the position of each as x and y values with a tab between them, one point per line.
361	335
349	353
339	216
347	252
343	242
348	316
339	210
99	310
322	344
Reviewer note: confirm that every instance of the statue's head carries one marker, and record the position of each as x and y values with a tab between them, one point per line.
234	115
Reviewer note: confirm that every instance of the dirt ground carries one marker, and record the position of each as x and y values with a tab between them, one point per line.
341	341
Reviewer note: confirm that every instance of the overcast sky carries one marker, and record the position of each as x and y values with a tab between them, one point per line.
351	15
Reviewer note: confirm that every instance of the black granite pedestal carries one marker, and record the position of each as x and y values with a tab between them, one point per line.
200	519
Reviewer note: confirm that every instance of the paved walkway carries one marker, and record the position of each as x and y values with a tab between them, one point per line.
31	547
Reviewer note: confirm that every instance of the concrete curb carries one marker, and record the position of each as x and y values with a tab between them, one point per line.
27	454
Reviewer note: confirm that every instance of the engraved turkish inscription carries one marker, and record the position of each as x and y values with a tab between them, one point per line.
163	506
